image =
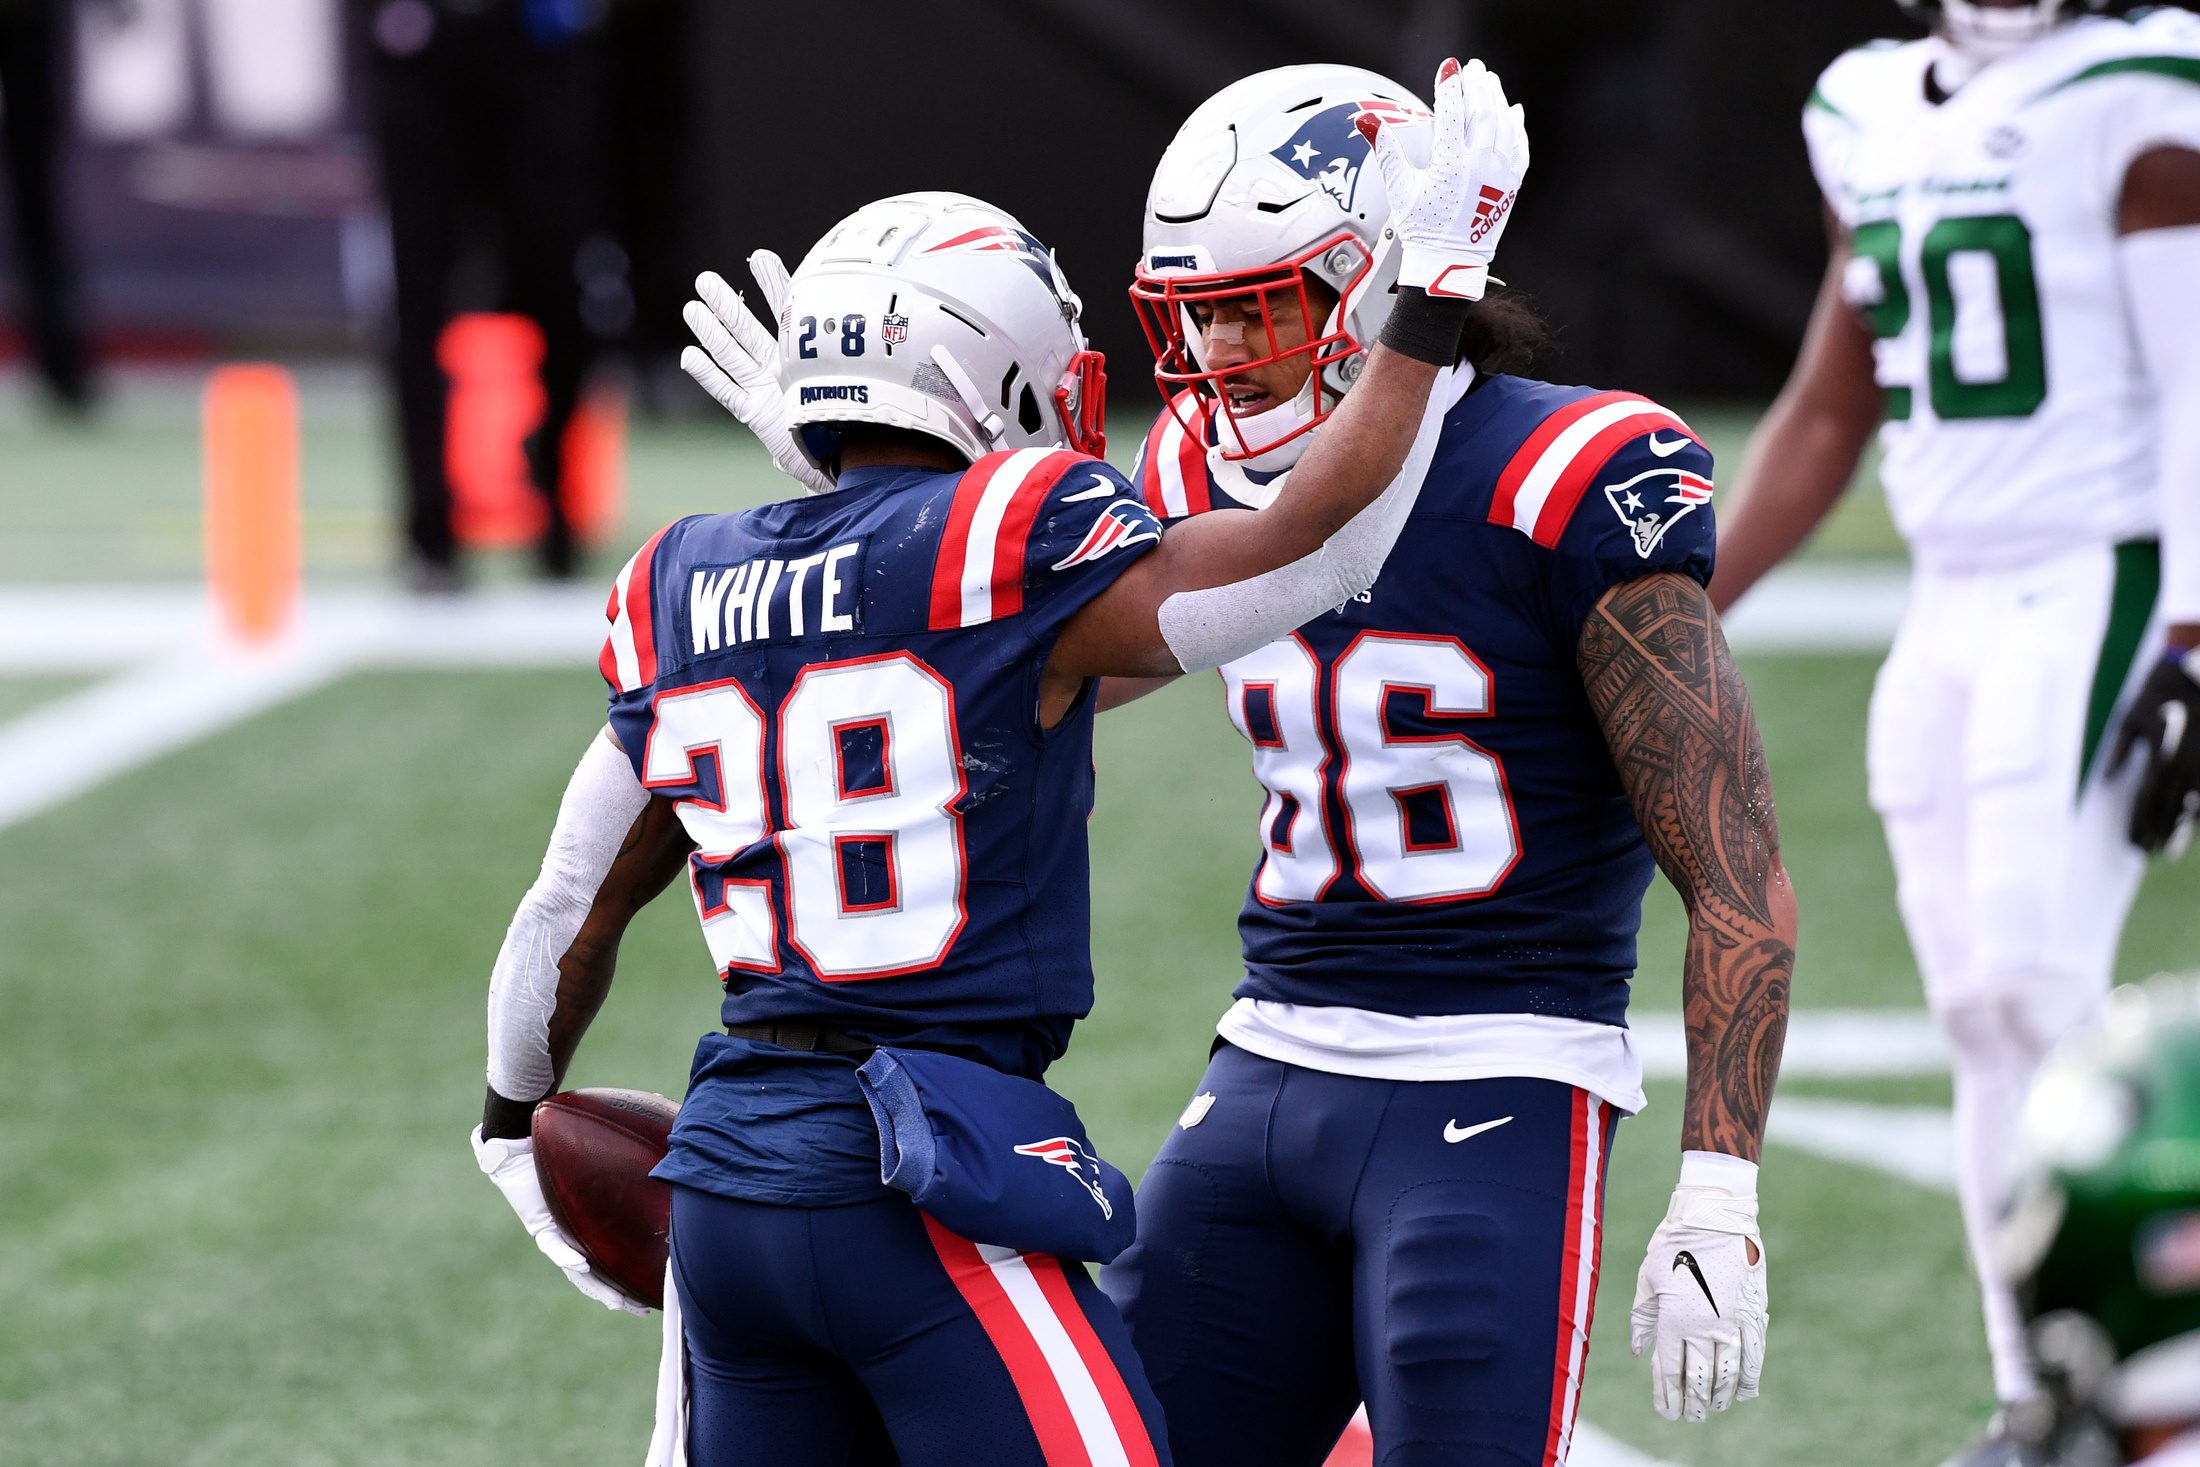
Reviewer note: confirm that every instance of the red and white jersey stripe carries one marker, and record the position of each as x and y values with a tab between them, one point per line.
1172	474
979	576
629	658
1079	1406
1544	482
1578	1273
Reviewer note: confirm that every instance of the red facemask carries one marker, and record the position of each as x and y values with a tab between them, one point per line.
1164	303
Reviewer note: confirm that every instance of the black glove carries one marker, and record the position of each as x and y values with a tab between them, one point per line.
2165	720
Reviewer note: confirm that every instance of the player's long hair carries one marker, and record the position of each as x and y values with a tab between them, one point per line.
1505	333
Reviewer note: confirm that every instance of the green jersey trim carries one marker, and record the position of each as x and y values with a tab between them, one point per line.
2177	68
2130	608
1818	103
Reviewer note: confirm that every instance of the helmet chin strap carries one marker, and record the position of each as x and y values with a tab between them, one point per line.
1270	424
991	427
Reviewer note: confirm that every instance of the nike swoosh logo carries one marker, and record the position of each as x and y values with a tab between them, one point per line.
1100	486
1664	449
1688	1258
1455	1133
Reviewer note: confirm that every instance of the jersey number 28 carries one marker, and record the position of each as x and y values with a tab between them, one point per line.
893	815
1427	816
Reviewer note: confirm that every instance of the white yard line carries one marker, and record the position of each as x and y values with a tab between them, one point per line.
1915	1143
1822	1044
1592	1448
61	749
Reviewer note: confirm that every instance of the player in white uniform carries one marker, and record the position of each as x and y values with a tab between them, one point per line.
2015	289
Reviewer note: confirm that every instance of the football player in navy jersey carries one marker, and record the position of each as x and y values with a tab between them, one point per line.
861	721
1388	1185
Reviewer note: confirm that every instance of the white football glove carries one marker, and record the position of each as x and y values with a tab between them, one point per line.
738	361
1449	213
511	1165
1700	1302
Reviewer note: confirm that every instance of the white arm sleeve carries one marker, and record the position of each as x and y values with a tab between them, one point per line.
1219	624
599	808
2161	269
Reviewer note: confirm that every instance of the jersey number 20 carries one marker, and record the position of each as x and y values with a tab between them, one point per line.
897	818
1428	814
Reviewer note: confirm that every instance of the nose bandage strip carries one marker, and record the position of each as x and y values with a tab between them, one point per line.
1230	333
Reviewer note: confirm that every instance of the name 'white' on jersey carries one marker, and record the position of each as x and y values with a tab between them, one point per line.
2021	420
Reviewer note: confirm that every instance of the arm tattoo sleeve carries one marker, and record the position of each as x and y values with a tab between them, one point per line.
1684	739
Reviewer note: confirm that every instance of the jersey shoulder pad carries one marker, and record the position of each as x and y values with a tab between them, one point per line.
629	658
1862	79
1171	471
1579	447
2102	58
1018	518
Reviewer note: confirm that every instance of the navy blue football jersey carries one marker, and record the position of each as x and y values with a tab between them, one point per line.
1445	832
841	693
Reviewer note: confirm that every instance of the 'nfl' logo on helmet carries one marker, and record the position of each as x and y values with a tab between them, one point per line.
893	329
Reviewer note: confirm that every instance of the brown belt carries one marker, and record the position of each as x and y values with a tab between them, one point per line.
803	1034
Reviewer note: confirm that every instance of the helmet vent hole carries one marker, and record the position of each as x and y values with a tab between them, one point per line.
1027	415
1008	385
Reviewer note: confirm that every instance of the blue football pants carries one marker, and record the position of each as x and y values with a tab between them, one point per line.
868	1334
1309	1241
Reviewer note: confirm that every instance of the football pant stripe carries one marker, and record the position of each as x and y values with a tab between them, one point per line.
1061	1437
1577	1274
1130	1427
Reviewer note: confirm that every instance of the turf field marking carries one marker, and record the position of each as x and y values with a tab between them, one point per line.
1915	1143
1822	1044
62	748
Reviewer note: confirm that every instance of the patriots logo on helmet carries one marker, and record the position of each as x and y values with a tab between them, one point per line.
994	239
1650	504
1329	149
1070	1154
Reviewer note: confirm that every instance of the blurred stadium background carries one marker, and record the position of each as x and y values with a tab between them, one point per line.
249	895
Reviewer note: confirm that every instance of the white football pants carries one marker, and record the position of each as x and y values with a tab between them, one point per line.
1990	724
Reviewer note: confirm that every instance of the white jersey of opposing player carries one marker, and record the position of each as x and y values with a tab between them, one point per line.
2020	418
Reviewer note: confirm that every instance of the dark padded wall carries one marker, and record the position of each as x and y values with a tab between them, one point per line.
1669	227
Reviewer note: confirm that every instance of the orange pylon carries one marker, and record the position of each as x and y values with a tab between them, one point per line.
250	430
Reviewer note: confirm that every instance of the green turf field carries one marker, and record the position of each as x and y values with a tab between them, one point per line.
241	998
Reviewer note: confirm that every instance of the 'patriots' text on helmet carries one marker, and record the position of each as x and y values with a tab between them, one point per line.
937	313
2103	1240
1269	196
1990	31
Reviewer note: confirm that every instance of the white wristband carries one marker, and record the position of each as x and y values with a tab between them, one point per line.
1719	1171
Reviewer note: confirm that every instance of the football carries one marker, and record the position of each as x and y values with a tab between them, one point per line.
593	1152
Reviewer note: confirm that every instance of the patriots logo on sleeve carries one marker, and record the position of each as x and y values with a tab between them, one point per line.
1651	503
1070	1154
1124	522
1329	149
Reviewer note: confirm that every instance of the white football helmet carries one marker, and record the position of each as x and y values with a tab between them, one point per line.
1269	182
1990	32
939	314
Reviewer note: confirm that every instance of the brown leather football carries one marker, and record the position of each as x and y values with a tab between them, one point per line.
593	1152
